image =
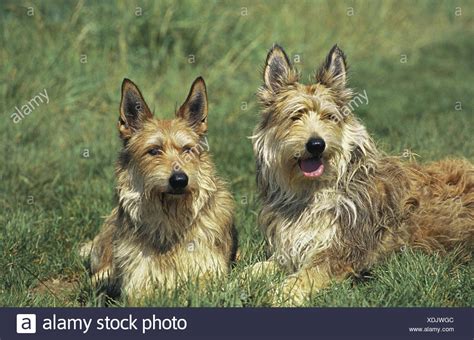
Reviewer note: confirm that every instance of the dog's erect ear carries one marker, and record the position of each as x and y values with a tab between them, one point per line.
278	71
194	108
133	109
333	72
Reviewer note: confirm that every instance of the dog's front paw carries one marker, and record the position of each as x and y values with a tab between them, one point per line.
291	293
85	250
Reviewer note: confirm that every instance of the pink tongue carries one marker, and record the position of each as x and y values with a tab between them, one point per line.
312	167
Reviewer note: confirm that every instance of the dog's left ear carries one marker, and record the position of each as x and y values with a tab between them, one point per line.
133	110
333	72
194	108
278	71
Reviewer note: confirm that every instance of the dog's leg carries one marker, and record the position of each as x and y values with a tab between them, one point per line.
259	270
263	271
298	288
99	261
100	252
85	250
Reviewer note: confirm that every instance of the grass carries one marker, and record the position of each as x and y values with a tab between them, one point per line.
52	197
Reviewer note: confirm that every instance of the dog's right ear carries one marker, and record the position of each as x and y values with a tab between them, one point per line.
278	71
333	72
194	109
133	110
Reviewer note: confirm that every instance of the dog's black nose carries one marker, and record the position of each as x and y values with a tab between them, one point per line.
178	180
315	146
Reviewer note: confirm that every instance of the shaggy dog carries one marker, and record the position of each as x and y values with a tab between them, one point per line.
174	219
332	203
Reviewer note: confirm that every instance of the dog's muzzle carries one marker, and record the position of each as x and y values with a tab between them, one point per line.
178	181
315	146
313	167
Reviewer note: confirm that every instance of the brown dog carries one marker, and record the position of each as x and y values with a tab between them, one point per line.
332	203
174	219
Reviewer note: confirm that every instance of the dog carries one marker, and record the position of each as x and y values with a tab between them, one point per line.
332	204
174	218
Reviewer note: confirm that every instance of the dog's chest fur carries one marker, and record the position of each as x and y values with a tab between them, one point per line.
298	231
142	266
165	241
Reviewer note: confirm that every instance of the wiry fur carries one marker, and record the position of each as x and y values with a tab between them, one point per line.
154	238
366	205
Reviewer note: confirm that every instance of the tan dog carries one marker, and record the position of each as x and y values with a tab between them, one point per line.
174	219
334	205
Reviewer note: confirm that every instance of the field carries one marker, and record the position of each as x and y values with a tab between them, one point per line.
413	59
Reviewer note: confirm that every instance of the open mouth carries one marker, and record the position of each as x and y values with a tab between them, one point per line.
312	167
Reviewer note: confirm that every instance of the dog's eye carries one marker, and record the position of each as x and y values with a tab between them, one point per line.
297	115
155	151
187	149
